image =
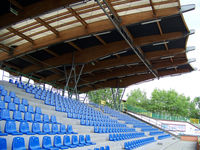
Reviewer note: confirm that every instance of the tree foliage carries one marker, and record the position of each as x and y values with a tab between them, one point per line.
162	101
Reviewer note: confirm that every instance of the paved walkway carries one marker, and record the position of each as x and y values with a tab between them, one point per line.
182	145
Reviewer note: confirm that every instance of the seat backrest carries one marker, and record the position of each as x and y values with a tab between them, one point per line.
3	144
54	128
24	127
16	100
62	128
18	143
57	141
45	118
7	98
46	128
21	107
28	116
38	110
87	138
81	139
107	147
66	140
10	127
1	87
37	117
34	143
25	102
2	105
4	93
30	109
11	106
17	115
12	94
36	127
46	142
102	148
74	139
53	119
69	128
5	114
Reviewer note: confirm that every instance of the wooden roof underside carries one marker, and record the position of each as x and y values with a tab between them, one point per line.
42	46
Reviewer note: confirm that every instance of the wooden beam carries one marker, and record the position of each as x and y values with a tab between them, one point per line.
5	48
50	52
15	3
153	8
47	26
100	39
132	59
127	81
75	14
33	10
94	27
75	46
20	34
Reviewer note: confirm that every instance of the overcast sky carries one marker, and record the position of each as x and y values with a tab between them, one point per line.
187	84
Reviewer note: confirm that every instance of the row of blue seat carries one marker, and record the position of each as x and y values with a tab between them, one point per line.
17	115
156	133
138	143
124	136
164	136
100	123
99	129
102	148
10	128
18	143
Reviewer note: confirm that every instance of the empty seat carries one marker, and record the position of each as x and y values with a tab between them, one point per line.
107	147
24	102
12	94
17	115
37	118
28	117
45	118
82	140
74	141
102	148
70	130
10	81
67	141
30	109
21	108
7	99
18	143
34	143
5	114
38	110
88	140
2	105
16	100
63	129
46	128
11	106
36	128
46	143
4	93
58	143
10	128
53	119
3	144
54	129
24	128
1	87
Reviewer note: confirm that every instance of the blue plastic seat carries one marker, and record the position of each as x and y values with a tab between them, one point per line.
63	129
53	119
2	105
45	118
4	93
1	87
82	140
24	102
28	117
30	109
10	128
74	141
38	110
102	148
70	130
12	94
10	81
46	143
54	129
37	117
58	143
7	99
3	143
16	100
107	147
67	141
5	114
18	143
88	140
21	108
46	128
12	106
34	143
36	128
24	128
2	134
17	115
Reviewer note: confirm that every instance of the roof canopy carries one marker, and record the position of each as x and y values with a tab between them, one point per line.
80	36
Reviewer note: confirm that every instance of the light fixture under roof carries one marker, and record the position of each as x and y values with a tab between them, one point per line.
102	33
166	57
160	43
151	21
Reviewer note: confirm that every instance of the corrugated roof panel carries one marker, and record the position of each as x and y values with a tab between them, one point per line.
92	13
131	4
69	26
134	11
97	19
175	4
23	23
20	42
57	23
53	13
41	35
29	32
13	38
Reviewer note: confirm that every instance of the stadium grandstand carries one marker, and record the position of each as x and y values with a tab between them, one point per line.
81	46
